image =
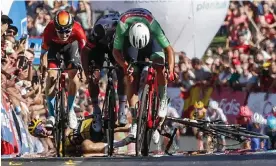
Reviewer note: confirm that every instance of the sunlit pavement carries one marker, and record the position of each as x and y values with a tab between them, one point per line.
186	144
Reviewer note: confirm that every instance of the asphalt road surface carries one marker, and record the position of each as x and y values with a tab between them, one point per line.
186	144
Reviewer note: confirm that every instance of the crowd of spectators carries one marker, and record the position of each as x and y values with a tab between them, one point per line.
40	13
246	60
22	91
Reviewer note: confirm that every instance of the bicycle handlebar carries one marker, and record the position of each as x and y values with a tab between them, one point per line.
64	69
149	63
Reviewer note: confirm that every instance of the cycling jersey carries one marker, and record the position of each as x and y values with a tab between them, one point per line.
217	115
50	35
139	15
84	131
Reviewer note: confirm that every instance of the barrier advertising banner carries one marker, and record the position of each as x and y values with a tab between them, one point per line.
260	103
230	102
176	101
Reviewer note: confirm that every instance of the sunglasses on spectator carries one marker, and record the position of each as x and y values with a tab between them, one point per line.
64	31
12	32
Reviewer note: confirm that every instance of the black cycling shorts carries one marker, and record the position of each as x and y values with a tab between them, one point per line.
133	53
70	53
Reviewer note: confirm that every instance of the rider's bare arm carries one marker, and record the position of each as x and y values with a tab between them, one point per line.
170	53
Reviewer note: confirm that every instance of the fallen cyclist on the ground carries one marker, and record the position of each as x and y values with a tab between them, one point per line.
83	141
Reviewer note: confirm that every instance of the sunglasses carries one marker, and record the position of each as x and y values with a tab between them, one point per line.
64	31
12	32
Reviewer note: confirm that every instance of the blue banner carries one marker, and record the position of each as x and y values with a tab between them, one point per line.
18	15
37	49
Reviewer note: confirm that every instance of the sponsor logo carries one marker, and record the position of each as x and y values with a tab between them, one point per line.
230	106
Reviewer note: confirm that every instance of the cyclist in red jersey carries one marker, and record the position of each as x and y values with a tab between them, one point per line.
62	36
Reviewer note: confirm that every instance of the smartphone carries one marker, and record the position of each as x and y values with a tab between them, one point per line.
21	61
32	45
35	79
24	37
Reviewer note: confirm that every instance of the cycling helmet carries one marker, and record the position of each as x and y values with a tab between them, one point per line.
274	109
198	105
271	122
98	32
258	118
103	25
213	105
33	125
63	20
245	111
139	35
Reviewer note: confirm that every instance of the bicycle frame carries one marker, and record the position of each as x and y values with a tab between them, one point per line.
152	82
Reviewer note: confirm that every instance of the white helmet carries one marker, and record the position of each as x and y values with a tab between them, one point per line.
213	105
139	35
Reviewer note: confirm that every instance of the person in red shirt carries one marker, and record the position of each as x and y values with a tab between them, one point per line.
62	36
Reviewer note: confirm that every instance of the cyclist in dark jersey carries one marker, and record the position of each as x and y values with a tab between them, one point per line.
62	36
100	42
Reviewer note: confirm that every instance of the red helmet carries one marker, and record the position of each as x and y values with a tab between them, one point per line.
245	111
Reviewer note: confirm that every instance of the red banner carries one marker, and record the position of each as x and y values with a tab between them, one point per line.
229	101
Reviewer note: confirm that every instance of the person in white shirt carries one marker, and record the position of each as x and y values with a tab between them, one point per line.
215	113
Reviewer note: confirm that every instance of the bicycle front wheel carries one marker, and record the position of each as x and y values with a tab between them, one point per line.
111	120
63	120
57	128
142	121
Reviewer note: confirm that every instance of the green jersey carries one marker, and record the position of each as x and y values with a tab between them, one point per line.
139	15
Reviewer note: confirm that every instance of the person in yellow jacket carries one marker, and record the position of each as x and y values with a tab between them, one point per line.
198	113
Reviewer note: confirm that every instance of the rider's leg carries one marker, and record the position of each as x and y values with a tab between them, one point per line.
122	97
73	87
50	95
159	57
132	95
96	55
94	91
51	82
72	60
199	137
50	90
131	86
221	143
208	143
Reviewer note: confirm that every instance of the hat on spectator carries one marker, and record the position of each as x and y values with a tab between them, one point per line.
14	28
209	61
6	19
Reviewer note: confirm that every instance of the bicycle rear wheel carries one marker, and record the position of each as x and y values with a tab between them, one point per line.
239	131
111	121
142	122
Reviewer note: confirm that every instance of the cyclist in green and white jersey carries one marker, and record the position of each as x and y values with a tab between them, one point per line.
139	36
